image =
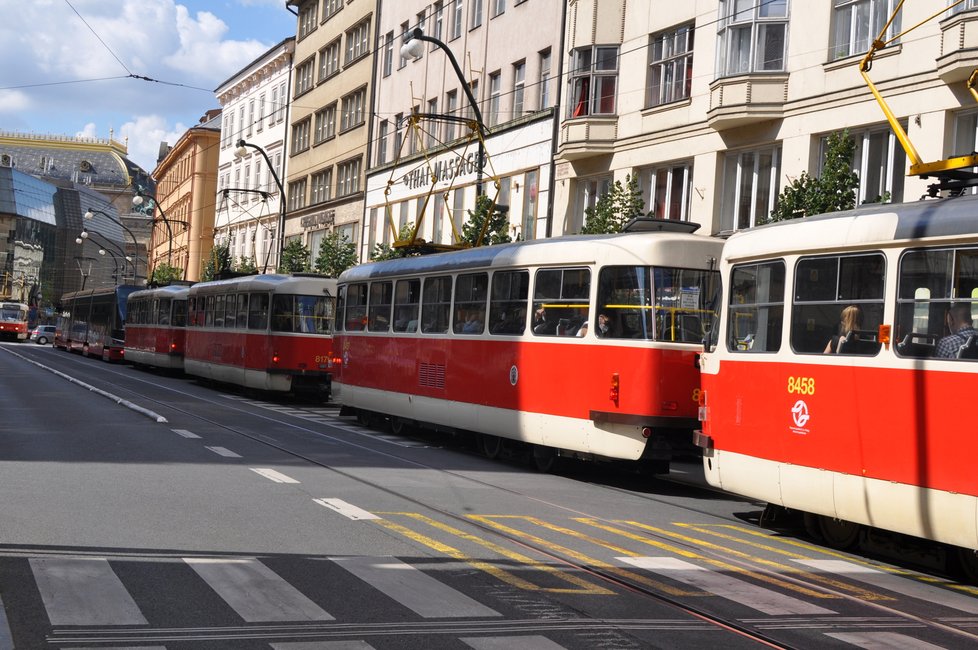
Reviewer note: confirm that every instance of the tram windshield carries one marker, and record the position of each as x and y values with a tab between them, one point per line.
657	303
12	311
305	314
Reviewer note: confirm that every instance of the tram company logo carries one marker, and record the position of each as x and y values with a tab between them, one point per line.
800	415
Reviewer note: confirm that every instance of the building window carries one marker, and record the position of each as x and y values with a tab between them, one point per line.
300	136
271	116
432	132
458	14
495	94
880	163
348	177
588	191
321	183
670	188
307	19
475	16
519	84
545	79
257	185
855	23
353	109
329	60
438	15
530	194
283	103
347	232
750	187
451	105
593	81
420	25
498	7
752	36
297	194
398	134
671	66
325	124
388	53
405	35
303	77
251	116
331	8
382	130
261	112
357	39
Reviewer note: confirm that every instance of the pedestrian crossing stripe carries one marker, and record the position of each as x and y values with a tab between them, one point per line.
582	586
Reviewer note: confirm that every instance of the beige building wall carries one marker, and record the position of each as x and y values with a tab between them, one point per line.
742	125
328	120
186	181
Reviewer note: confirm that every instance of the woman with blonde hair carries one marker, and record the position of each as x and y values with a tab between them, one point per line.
850	320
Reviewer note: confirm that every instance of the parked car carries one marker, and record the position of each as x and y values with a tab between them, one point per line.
42	334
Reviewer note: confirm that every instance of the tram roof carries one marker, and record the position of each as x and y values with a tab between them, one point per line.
643	248
267	282
169	291
867	226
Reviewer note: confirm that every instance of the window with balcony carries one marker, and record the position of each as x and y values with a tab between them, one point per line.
855	23
325	126
670	66
352	108
750	187
357	40
752	36
329	60
964	6
593	81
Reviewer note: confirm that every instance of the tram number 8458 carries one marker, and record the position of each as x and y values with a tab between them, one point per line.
801	385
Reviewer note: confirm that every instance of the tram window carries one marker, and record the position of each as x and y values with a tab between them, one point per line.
340	308
312	315
756	307
471	290
356	307
827	286
379	314
209	311
231	311
561	301
219	302
282	313
407	298
258	311
436	304
179	318
163	311
507	302
242	311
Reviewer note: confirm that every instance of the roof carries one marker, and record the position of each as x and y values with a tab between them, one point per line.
81	160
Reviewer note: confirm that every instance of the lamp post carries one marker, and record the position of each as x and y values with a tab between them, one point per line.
137	201
90	214
86	235
84	270
241	151
413	49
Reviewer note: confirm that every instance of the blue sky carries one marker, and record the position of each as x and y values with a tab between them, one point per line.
67	64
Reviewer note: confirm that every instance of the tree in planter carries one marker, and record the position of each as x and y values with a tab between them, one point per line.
295	258
336	254
613	210
496	233
217	262
165	274
834	190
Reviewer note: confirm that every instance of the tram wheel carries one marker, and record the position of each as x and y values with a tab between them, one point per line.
545	459
398	426
492	446
967	564
838	533
363	418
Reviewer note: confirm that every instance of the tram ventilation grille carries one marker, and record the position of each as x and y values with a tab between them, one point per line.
431	375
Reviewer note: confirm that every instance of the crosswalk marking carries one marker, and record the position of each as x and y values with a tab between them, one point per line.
223	451
883	641
185	433
745	593
412	588
322	645
272	475
508	642
898	584
348	510
256	592
83	591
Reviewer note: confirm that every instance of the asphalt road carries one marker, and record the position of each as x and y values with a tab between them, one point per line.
144	510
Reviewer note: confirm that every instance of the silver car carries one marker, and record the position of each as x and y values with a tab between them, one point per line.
42	334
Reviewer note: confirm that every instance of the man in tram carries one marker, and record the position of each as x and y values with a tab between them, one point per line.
959	324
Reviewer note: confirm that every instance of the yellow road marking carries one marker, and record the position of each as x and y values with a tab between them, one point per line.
584	587
489	520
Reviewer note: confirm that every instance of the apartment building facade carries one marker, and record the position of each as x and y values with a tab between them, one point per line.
248	204
424	169
328	127
715	105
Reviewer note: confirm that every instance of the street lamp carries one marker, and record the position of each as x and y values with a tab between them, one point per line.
240	152
86	234
115	260
90	214
413	49
137	201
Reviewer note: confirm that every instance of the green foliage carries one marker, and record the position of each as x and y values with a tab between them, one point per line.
496	233
835	190
218	261
614	209
336	254
383	252
295	258
165	274
246	265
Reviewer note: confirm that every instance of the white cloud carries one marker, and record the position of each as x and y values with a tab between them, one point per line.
201	40
14	100
145	134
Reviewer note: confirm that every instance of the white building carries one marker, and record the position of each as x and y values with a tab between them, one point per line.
716	105
248	214
508	52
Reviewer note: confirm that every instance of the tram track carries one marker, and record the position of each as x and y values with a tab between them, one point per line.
604	576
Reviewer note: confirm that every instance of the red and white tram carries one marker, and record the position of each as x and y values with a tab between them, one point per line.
879	433
156	327
582	345
268	332
93	322
13	320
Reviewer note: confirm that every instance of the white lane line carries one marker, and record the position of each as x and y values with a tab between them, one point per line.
745	593
83	591
508	642
185	433
883	641
272	475
346	509
323	645
223	451
899	584
255	592
413	588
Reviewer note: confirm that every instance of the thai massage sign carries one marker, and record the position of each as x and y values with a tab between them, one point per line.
443	170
